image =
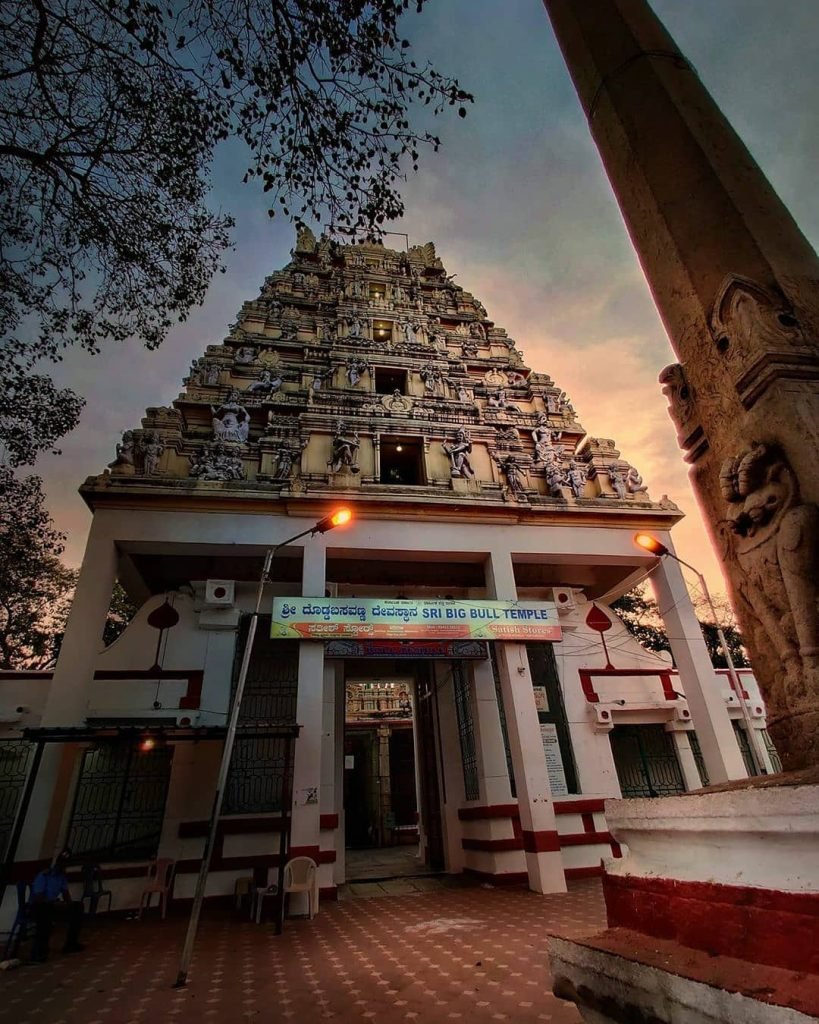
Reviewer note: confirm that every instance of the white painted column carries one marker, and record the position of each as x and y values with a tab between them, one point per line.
493	773
82	643
685	755
544	863
67	700
709	714
305	827
452	773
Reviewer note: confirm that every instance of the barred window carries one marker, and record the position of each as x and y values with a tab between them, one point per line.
15	757
119	803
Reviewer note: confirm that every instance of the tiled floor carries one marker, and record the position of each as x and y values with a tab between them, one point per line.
388	862
456	955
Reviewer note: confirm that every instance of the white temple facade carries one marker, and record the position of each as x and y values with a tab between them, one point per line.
363	376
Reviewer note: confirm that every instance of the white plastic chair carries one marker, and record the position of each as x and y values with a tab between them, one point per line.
301	875
160	881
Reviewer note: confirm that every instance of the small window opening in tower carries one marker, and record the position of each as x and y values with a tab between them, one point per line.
382	332
376	290
402	462
389	379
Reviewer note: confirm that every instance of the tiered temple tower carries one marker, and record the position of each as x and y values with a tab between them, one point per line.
367	372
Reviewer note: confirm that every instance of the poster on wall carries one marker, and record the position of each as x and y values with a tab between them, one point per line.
554	762
330	618
541	700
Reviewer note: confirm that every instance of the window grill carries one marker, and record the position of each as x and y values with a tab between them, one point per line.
119	804
257	769
773	753
646	761
15	757
745	748
466	732
696	750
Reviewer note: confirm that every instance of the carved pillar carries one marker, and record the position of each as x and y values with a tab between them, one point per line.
737	286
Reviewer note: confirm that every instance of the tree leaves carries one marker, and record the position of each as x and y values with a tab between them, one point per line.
110	113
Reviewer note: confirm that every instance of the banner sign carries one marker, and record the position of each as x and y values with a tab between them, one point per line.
450	649
330	618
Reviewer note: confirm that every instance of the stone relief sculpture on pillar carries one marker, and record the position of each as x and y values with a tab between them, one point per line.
357	328
458	451
285	457
772	538
231	421
433	378
545	439
499	401
397	404
245	355
345	451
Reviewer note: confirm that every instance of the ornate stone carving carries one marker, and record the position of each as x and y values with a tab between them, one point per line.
495	378
123	464
634	482
681	408
411	331
305	240
355	368
345	451
433	379
458	451
555	478
617	479
507	434
397	404
576	477
151	449
245	355
267	384
231	421
469	349
515	476
773	540
216	463
285	456
498	400
544	438
269	359
357	328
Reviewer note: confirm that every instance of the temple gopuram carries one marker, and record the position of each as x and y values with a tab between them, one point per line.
364	376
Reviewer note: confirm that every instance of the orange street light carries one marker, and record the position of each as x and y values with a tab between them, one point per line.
147	744
649	543
340	517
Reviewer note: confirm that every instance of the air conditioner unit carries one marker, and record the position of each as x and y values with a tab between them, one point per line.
563	598
220	593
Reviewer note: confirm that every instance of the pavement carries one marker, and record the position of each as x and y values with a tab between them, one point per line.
456	954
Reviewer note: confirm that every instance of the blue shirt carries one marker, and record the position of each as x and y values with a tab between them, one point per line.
50	883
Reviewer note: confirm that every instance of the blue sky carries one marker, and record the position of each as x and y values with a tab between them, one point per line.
520	208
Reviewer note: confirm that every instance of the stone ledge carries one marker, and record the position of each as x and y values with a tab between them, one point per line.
625	977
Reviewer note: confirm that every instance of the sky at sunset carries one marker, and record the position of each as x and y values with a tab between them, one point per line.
519	208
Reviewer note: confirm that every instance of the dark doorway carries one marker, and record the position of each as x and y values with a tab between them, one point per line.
401	462
389	379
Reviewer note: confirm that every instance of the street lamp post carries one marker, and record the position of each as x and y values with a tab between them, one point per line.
338	518
651	544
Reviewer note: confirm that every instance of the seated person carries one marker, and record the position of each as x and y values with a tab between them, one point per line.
50	898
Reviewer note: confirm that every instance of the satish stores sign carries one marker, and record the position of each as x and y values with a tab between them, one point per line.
330	618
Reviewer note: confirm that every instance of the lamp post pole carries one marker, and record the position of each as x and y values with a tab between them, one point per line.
328	523
651	544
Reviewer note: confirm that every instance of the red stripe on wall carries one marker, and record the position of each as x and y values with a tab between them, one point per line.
493	845
590	872
586	839
540	842
328	821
